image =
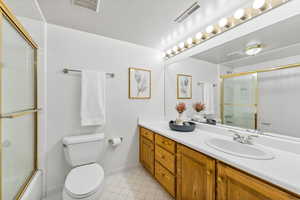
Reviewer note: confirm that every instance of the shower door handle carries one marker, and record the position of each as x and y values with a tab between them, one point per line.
266	123
19	114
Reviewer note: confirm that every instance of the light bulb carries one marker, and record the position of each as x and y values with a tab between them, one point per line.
210	29
260	5
224	23
175	49
169	52
189	41
199	36
240	14
181	45
252	50
163	55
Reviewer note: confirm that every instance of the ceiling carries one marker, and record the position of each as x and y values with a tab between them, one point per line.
280	40
144	22
24	8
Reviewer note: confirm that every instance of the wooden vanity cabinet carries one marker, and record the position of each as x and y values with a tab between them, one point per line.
189	175
232	184
195	175
147	149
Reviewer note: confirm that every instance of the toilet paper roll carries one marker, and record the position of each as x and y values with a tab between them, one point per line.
116	141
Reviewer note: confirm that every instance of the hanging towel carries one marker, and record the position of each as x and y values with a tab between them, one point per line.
209	98
92	98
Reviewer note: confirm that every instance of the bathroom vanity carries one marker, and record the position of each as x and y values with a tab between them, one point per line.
189	169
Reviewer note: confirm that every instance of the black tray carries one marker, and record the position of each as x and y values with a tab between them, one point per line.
187	127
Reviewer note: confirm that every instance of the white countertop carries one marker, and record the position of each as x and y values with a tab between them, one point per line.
283	170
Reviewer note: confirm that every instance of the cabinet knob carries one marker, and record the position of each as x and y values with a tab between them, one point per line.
208	172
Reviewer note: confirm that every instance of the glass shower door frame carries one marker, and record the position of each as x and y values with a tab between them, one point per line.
6	14
255	105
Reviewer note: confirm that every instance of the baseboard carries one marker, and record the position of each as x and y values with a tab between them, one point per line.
122	169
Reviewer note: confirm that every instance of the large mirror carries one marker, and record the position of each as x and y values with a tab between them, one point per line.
251	82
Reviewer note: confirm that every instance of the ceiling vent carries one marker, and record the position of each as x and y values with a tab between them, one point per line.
89	4
187	12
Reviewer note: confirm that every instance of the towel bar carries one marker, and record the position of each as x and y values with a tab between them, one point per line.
65	70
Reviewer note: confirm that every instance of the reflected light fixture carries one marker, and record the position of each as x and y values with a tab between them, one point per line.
189	41
199	36
169	52
224	23
253	49
181	45
261	5
240	14
211	29
175	49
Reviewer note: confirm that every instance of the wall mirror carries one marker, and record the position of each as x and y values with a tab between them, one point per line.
251	82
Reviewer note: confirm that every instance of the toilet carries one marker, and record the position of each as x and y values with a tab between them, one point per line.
85	180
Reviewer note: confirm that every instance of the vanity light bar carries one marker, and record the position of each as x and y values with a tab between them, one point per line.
240	16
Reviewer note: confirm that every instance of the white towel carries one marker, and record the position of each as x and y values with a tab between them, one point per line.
92	98
209	98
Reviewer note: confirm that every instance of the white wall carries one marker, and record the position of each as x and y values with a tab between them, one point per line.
81	50
200	71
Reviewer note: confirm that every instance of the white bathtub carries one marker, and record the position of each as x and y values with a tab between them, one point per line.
34	190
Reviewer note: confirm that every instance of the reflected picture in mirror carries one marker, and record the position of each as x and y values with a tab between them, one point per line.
184	86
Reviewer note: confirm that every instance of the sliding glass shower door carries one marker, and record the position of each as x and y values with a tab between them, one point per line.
239	101
18	125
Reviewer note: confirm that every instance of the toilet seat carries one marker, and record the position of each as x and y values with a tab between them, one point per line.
84	181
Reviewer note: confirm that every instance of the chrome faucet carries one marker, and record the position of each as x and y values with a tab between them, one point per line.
243	139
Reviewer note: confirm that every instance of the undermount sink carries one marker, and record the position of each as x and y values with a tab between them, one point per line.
238	149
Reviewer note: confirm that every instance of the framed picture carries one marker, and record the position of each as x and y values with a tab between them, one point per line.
139	83
184	86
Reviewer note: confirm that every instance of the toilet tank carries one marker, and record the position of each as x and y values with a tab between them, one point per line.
84	149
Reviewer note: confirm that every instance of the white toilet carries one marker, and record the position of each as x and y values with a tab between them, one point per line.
85	180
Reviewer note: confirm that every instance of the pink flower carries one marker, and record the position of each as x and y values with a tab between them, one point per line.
199	106
180	107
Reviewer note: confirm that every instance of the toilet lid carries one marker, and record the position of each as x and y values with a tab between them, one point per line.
84	180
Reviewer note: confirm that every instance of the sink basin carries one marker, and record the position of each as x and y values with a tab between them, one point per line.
238	149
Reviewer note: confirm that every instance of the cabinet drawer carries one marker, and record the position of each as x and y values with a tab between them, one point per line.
147	133
165	143
165	178
165	158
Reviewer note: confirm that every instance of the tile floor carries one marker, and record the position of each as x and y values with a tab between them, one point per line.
134	184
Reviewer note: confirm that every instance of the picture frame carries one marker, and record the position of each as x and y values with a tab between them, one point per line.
139	83
184	86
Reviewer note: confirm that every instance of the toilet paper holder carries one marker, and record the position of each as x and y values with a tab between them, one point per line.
110	141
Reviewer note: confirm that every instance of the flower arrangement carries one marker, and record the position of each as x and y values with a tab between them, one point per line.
180	107
198	107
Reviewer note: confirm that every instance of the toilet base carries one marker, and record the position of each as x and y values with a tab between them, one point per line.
95	196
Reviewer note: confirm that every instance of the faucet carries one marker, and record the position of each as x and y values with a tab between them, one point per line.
243	139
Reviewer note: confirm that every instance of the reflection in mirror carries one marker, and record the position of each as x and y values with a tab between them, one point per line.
256	81
192	81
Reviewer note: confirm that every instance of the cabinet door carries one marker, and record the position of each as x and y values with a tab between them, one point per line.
147	154
233	184
195	175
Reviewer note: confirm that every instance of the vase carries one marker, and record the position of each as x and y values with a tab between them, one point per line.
199	117
179	120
